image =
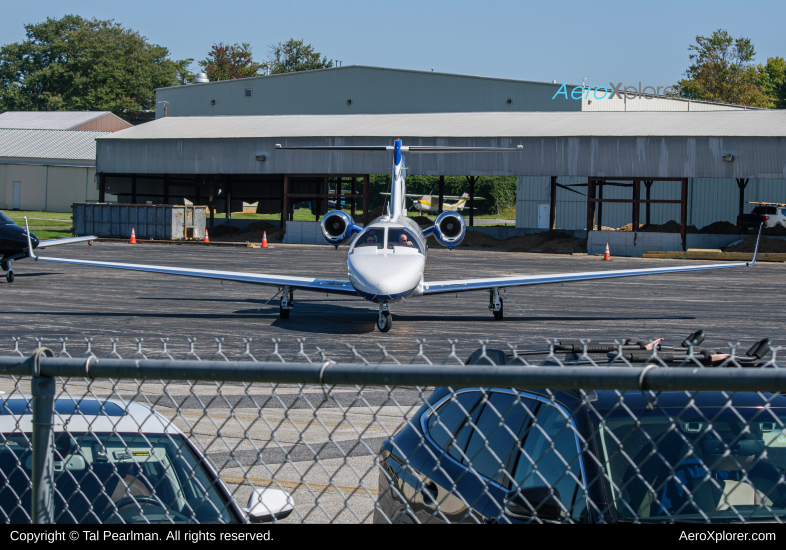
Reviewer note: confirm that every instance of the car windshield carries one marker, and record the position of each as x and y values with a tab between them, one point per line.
5	220
401	237
373	236
114	478
695	465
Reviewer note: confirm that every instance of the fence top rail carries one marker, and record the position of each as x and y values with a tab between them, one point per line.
690	377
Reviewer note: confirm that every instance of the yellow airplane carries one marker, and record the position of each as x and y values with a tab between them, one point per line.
429	203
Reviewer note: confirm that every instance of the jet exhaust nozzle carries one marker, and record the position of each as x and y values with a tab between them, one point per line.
337	227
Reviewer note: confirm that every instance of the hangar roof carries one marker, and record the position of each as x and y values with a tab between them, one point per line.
61	120
58	145
769	123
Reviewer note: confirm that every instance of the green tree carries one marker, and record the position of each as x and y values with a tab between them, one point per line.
722	70
292	56
225	62
773	76
83	65
498	192
184	76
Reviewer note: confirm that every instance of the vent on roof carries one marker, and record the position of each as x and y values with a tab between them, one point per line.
201	78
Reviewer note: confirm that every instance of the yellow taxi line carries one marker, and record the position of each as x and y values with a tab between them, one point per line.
316	487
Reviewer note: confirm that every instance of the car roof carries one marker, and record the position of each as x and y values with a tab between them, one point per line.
608	399
100	415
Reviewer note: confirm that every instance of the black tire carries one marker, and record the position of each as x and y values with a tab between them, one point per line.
5	266
9	276
384	321
283	313
498	314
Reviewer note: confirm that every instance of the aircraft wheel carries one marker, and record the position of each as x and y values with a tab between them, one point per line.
9	276
498	314
384	321
283	313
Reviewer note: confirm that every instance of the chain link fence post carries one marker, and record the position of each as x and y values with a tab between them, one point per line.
43	390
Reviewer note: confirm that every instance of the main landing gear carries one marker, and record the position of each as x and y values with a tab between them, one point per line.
9	276
287	303
495	304
385	319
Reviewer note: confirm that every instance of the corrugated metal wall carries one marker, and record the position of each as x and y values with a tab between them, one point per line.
371	91
709	200
652	104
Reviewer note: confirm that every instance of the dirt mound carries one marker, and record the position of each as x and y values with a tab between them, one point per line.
669	227
748	244
628	227
223	231
549	241
261	225
720	228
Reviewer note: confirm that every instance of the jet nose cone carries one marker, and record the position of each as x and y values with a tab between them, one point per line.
385	275
34	240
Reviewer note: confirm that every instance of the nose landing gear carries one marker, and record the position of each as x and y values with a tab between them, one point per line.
495	304
287	303
384	319
9	276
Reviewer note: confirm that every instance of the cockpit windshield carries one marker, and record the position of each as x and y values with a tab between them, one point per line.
5	220
373	236
401	237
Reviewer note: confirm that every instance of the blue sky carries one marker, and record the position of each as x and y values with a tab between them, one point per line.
558	40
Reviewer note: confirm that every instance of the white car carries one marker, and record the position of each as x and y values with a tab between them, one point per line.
120	463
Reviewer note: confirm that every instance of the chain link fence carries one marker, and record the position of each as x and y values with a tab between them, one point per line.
574	432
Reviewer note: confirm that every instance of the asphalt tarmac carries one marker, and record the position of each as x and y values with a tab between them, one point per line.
56	300
321	447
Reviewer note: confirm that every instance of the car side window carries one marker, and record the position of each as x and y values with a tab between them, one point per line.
550	457
783	211
495	433
445	422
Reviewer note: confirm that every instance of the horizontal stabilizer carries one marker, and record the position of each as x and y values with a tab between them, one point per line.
67	240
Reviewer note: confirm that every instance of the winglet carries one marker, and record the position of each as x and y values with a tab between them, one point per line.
29	242
756	250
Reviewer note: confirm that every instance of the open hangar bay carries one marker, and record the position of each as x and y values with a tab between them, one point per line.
52	301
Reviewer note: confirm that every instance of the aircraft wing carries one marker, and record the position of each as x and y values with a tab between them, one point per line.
299	283
67	240
465	285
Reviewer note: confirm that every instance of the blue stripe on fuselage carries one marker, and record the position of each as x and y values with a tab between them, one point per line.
397	145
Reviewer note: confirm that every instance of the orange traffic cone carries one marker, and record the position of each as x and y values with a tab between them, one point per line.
607	256
133	237
207	240
264	239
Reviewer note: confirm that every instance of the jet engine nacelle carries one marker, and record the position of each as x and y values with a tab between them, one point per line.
337	227
449	229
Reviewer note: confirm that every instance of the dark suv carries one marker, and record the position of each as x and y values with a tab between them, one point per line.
496	455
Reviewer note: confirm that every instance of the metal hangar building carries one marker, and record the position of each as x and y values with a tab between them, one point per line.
215	142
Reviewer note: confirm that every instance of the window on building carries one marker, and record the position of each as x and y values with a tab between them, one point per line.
248	92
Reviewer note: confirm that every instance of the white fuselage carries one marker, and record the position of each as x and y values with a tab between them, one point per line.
425	204
382	266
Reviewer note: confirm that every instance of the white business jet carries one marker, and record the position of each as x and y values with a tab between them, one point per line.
386	261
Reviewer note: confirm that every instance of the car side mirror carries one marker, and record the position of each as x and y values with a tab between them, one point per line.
266	504
528	503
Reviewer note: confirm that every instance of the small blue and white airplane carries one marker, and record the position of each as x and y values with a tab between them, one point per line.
386	261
